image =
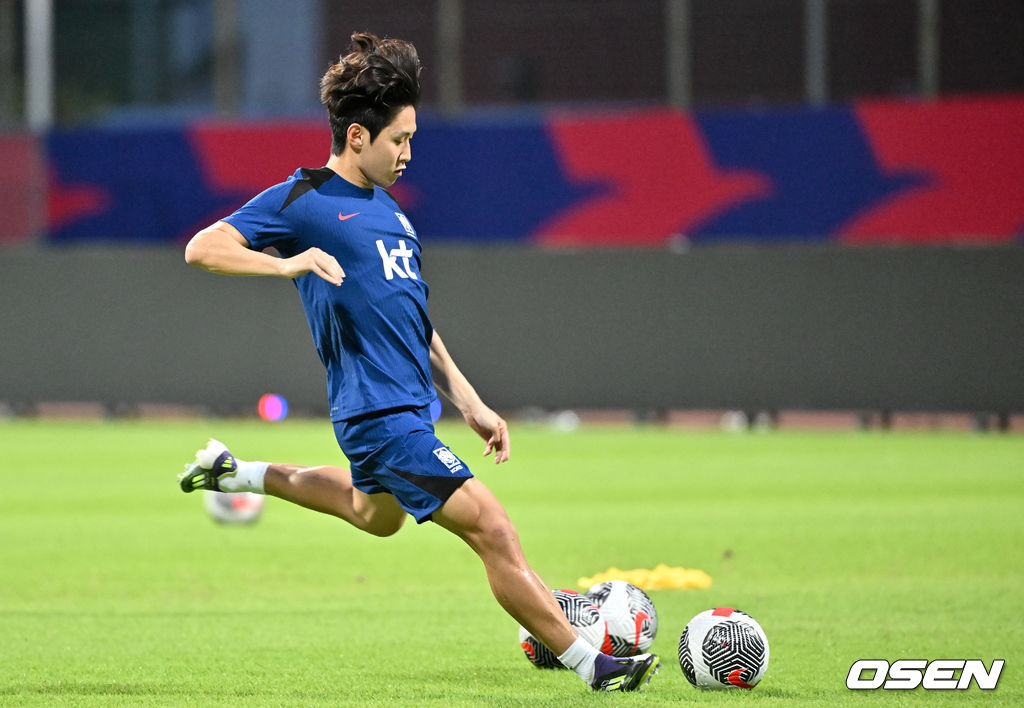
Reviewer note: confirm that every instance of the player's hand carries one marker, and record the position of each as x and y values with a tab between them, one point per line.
493	429
315	261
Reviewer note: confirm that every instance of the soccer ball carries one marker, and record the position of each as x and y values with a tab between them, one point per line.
630	618
723	648
584	617
234	508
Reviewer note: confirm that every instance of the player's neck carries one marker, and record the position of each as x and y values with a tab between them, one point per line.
346	167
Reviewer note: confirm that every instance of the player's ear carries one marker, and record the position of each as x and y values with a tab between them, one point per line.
355	135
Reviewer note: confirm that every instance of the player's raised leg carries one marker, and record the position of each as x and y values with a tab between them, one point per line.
474	514
327	489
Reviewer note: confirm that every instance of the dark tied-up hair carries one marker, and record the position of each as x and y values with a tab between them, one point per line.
369	86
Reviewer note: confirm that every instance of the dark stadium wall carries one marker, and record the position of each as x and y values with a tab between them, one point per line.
747	327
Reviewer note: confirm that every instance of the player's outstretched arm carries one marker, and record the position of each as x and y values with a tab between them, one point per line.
222	248
451	382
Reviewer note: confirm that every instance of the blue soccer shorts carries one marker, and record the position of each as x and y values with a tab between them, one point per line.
397	452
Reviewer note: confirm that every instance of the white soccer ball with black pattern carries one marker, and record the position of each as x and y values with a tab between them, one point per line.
584	617
235	507
630	618
723	648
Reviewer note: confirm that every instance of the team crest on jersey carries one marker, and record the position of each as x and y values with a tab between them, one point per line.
406	224
449	459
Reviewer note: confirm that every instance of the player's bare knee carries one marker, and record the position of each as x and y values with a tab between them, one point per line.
500	536
384	527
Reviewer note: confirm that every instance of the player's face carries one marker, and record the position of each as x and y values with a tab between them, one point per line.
384	160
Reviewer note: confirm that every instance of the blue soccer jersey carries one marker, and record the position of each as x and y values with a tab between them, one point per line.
372	332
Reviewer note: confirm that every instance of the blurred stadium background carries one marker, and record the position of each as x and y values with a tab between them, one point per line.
776	211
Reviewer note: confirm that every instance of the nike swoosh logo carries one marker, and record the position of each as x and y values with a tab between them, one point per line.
346	216
736	680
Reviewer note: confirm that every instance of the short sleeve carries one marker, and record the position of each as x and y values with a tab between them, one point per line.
261	221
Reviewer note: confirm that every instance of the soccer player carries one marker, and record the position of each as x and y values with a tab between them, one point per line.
355	259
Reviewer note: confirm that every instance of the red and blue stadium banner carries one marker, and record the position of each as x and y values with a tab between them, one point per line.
872	172
22	200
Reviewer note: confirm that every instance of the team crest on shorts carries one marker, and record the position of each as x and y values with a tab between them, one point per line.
449	459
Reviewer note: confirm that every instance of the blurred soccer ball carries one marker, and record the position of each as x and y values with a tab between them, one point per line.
584	617
723	648
630	618
234	508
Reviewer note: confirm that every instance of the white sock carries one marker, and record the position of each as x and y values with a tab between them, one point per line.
580	658
248	478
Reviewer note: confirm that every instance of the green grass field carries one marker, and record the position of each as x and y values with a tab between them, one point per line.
116	589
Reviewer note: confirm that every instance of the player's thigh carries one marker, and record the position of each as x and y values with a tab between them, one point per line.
475	514
379	514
